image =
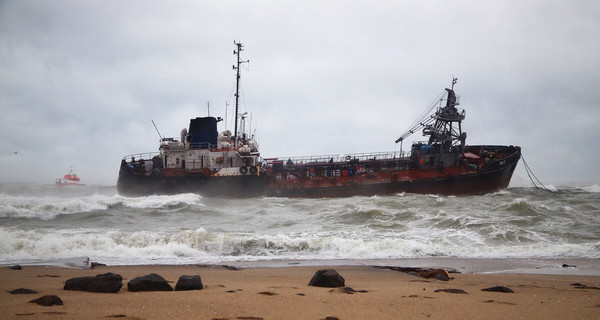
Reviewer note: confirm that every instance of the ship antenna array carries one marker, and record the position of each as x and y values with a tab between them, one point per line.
240	48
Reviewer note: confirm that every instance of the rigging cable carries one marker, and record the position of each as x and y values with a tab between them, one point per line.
423	120
530	173
428	110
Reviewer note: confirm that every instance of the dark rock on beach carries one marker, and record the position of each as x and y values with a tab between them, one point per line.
578	285
441	277
439	274
451	291
48	300
108	283
151	282
189	283
96	264
231	267
16	267
23	291
498	289
348	290
328	278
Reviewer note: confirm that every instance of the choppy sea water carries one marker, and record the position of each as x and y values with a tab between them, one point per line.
46	222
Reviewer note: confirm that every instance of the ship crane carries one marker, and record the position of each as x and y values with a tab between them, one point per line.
415	128
444	125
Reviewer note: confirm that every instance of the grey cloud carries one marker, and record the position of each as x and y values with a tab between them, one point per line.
82	80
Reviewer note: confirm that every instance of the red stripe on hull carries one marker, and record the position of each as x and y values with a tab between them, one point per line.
476	183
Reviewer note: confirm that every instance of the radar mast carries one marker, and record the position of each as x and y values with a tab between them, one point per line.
240	48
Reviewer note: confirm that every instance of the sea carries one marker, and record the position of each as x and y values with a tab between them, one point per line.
48	223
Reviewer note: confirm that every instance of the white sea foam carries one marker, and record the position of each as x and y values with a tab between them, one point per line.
594	189
49	207
186	228
200	246
160	201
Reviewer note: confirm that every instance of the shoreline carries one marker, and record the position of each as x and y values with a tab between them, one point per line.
282	292
557	266
566	266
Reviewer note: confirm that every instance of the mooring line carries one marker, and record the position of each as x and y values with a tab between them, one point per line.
530	173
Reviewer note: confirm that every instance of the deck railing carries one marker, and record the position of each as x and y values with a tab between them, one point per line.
339	158
373	156
305	159
140	156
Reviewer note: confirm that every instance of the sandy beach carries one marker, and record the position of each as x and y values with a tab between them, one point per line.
283	293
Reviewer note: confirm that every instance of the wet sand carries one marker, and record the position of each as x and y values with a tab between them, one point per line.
283	293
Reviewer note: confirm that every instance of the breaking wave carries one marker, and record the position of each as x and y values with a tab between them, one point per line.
187	228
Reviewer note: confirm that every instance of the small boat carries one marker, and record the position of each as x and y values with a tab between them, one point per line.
228	164
69	179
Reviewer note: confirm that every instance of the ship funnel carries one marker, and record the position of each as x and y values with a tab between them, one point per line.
204	132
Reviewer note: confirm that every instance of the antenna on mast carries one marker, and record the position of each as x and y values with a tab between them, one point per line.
250	126
240	48
226	115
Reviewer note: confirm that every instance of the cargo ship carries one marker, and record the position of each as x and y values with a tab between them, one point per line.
229	164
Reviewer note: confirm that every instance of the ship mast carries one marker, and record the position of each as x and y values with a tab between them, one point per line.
240	48
447	130
440	126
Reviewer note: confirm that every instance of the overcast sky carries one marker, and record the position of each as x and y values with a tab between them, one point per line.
80	81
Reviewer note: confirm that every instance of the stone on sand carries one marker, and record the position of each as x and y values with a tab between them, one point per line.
327	278
151	282
107	283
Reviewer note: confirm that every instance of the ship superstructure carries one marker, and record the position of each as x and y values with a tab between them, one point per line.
203	160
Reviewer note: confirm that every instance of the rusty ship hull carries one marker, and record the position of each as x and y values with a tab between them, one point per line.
401	176
329	180
132	183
